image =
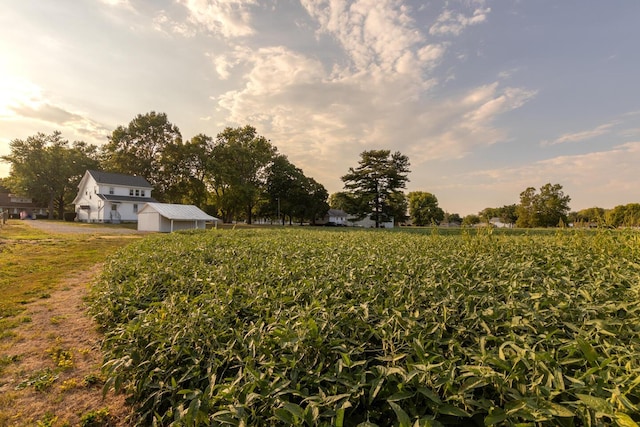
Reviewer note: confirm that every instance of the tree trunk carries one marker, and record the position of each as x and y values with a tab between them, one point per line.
249	214
51	205
61	207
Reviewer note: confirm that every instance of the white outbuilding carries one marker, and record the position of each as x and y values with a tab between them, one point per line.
167	217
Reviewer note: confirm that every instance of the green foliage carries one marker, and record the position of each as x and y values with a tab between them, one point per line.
309	327
48	420
96	418
374	186
290	193
142	149
240	161
624	215
548	208
40	380
424	209
45	168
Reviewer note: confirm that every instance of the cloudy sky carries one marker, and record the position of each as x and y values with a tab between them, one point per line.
486	97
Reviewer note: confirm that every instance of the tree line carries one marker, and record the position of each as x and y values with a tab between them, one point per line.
240	175
237	175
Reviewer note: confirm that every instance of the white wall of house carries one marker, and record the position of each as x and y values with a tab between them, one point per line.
370	223
153	221
90	207
166	218
150	221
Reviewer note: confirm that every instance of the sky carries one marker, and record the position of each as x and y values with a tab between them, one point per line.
486	98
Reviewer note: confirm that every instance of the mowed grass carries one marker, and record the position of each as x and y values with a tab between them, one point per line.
33	263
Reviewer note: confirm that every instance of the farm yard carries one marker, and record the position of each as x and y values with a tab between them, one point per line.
362	327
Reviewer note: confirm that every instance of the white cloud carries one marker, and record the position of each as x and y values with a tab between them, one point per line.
453	23
607	177
123	4
229	18
379	98
582	135
377	35
164	23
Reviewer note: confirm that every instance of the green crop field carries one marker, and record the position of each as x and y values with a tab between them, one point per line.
364	328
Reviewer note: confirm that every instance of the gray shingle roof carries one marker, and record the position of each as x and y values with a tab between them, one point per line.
113	198
119	179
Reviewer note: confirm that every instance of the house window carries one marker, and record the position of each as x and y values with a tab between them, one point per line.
137	193
135	208
142	193
131	191
111	190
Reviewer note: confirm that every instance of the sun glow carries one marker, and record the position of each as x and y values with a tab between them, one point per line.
15	92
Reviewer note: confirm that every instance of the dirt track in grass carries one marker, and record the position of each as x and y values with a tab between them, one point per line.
50	365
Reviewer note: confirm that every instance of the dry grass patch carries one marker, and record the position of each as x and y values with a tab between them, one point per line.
51	370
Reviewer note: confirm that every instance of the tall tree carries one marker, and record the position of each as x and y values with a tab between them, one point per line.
291	193
624	215
239	168
424	209
373	183
316	205
138	149
507	214
187	166
548	208
46	169
340	200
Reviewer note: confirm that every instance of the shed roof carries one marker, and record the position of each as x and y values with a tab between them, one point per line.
178	212
119	179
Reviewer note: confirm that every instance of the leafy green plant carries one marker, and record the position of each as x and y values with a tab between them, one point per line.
96	418
48	420
308	327
40	380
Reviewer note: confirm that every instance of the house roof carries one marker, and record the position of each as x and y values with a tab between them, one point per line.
337	213
7	202
119	179
178	212
113	198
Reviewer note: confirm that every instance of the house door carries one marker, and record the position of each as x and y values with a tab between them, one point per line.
115	215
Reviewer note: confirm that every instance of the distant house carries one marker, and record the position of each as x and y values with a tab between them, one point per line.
336	217
17	206
111	197
167	217
369	222
339	217
497	222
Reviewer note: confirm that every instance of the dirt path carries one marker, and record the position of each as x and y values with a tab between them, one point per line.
76	228
50	369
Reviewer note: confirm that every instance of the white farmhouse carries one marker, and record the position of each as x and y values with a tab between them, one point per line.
111	197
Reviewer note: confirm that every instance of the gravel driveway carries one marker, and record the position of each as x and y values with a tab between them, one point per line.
78	228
